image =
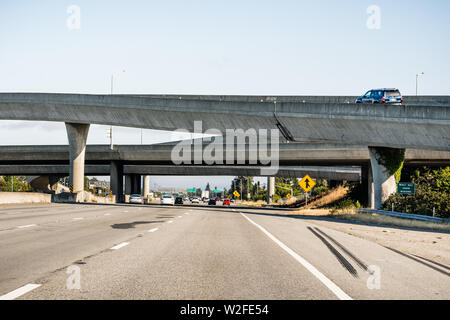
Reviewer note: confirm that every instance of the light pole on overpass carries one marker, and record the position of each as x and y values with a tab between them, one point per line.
417	81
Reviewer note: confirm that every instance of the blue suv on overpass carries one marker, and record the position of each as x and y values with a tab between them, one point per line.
384	96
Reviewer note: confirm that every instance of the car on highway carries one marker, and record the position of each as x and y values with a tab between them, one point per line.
195	200
179	200
136	198
168	199
226	202
382	96
212	202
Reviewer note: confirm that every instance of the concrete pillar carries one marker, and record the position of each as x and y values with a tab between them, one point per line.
146	185
128	185
77	135
370	190
116	180
384	183
136	184
270	189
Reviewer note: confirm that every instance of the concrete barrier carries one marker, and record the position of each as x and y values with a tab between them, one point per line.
84	196
24	197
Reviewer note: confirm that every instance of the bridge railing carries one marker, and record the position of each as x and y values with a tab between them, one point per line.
406	215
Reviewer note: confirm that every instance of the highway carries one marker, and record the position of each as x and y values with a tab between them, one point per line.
188	252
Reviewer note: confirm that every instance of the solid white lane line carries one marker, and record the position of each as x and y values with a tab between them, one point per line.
27	226
322	278
19	292
153	230
121	245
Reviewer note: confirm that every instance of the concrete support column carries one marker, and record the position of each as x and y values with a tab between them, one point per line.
270	189
128	185
370	190
384	183
136	183
77	135
146	185
116	180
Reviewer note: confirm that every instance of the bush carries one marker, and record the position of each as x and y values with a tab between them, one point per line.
432	191
344	204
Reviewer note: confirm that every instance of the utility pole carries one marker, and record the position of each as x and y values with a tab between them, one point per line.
417	81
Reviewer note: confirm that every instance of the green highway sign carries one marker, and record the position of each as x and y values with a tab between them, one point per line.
406	188
192	190
217	191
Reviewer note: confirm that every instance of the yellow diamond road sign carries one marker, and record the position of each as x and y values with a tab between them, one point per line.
237	194
288	196
307	183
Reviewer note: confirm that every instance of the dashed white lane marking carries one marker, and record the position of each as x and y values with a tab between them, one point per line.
322	278
121	245
75	219
27	226
125	211
186	213
19	292
153	230
179	217
107	214
169	221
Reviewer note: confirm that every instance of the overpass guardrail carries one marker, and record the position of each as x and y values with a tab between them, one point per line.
406	215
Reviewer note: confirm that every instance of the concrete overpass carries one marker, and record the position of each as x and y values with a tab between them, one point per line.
422	126
328	173
408	126
296	159
290	154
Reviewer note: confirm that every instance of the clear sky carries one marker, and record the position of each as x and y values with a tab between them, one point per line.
216	47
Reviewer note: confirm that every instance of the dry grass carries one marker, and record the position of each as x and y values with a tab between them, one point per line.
258	203
373	218
336	195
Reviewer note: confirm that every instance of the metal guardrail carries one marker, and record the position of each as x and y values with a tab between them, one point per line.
406	215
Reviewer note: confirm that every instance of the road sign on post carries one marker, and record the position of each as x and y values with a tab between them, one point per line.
237	194
406	188
307	183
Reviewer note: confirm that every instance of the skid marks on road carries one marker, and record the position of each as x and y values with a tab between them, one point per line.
313	270
439	267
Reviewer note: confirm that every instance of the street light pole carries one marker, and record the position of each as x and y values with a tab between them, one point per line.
417	81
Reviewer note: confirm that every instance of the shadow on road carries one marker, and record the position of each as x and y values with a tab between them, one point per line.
131	225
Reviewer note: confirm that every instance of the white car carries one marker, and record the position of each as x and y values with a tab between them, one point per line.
136	198
195	200
168	200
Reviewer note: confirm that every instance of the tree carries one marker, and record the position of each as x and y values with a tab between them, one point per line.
432	191
18	184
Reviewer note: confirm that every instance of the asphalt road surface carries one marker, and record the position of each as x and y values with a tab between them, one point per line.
157	252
